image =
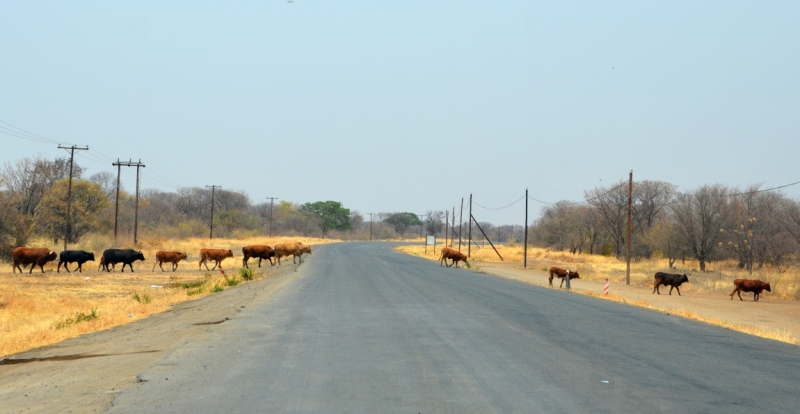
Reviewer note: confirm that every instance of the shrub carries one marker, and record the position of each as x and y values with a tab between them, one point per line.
246	274
217	288
145	298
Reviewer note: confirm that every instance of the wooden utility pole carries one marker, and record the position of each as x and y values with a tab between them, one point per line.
271	199
138	165
370	226
446	223
213	187
630	214
453	227
136	210
525	249
69	190
116	203
469	233
460	223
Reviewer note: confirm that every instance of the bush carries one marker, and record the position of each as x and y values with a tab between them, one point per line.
246	274
217	288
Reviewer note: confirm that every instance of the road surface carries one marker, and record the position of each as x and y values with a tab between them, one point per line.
368	329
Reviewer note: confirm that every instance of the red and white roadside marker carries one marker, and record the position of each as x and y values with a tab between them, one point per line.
605	288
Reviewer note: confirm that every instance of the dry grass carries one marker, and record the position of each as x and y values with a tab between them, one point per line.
717	279
41	309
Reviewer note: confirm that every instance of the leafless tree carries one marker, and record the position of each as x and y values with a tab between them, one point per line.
612	207
701	217
434	222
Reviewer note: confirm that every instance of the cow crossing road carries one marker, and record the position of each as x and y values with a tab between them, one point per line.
367	329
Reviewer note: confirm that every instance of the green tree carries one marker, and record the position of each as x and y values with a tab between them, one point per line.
88	200
401	221
330	215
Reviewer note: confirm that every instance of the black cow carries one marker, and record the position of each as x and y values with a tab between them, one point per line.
69	256
671	280
124	256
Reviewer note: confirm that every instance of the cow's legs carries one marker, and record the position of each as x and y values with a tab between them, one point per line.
670	290
739	292
679	290
244	262
561	284
175	266
216	263
271	263
655	289
160	267
755	296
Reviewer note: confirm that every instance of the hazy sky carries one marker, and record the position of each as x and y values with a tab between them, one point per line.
408	106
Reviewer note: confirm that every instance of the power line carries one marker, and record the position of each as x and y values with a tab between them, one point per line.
499	208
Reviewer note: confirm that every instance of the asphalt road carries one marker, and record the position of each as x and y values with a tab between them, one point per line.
367	329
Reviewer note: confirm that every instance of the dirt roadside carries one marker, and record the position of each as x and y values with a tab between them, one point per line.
781	317
84	374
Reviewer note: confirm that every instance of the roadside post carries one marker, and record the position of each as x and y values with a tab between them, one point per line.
430	240
566	279
605	288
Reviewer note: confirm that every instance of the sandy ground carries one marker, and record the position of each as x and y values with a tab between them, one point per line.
775	315
73	376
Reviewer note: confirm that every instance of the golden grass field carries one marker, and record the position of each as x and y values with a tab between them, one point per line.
37	310
717	279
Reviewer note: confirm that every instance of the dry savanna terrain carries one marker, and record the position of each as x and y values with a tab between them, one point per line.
40	309
706	296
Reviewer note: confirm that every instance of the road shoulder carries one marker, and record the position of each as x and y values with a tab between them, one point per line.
84	374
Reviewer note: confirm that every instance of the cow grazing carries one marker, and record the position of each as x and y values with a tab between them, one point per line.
169	257
125	256
671	280
562	274
452	254
217	255
69	256
294	249
31	256
260	251
747	285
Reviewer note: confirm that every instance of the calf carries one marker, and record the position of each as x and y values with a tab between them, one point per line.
125	256
562	274
294	249
671	280
169	257
217	255
259	251
31	256
746	285
69	256
452	254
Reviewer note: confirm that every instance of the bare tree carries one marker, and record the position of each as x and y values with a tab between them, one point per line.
612	207
701	217
434	222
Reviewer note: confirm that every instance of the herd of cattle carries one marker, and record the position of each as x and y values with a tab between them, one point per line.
24	256
672	280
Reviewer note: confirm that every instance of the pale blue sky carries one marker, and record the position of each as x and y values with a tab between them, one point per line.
408	106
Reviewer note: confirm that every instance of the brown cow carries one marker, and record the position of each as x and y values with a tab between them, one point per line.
217	255
169	257
747	285
260	251
452	254
31	256
562	274
294	249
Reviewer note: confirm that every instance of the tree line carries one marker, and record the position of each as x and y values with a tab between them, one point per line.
33	201
712	222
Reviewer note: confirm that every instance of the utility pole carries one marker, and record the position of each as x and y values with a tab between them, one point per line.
460	223
69	190
630	213
453	227
370	226
116	202
446	223
271	199
138	165
136	210
213	187
469	234
525	249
